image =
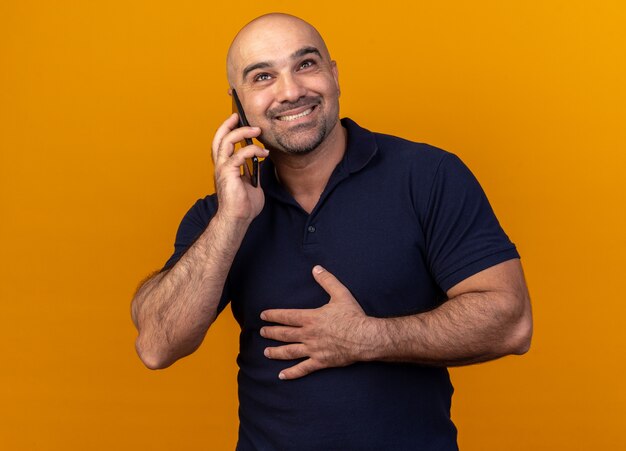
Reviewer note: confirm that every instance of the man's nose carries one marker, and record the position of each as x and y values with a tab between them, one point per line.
289	88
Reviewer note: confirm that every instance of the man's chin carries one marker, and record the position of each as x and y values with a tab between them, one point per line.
295	148
303	144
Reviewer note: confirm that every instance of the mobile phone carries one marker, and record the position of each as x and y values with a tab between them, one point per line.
243	122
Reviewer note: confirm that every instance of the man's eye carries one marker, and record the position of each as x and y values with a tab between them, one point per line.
307	63
261	77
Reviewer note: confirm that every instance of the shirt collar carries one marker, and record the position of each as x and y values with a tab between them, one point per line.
361	146
360	150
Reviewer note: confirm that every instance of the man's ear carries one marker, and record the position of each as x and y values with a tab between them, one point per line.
230	91
333	67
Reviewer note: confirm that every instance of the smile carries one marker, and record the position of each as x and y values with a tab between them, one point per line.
293	117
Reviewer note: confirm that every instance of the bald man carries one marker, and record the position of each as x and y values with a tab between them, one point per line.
360	267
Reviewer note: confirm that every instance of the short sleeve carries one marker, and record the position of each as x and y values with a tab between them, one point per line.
463	235
191	227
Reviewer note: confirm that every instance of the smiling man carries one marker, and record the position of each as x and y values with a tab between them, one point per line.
297	107
359	268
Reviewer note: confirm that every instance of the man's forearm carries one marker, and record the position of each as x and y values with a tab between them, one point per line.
174	309
470	328
488	315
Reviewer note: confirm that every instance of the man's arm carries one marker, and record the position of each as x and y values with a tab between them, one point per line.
174	309
487	316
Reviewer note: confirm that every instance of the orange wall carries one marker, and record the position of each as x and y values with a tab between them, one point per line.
107	110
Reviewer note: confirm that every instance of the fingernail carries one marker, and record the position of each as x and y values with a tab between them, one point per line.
318	269
263	315
281	376
262	332
266	352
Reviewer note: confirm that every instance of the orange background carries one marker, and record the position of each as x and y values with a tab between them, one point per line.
107	110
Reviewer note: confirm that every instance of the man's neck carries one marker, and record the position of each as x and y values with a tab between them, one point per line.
306	176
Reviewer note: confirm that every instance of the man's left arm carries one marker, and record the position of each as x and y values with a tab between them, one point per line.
486	316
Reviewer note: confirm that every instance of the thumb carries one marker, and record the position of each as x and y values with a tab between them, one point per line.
330	284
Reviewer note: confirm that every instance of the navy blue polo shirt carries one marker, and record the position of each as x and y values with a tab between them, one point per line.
399	223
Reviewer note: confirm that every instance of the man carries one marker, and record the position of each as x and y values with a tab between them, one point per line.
359	268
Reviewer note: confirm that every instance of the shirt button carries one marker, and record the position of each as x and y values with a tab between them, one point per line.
311	229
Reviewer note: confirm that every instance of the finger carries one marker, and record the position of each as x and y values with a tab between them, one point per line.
239	159
287	352
300	370
226	146
287	334
330	283
288	317
228	125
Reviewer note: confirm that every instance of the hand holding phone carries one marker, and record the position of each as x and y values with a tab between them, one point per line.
243	122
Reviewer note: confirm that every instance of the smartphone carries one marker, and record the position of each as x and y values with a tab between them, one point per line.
243	122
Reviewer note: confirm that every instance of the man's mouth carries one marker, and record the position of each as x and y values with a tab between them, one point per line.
293	117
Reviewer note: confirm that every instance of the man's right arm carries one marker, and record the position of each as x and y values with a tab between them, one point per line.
173	309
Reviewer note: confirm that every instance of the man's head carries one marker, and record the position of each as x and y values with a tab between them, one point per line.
287	83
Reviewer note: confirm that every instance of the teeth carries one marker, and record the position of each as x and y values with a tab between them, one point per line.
293	117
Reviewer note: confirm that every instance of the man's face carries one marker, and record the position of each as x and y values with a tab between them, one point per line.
288	86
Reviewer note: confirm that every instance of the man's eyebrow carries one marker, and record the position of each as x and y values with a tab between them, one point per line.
254	66
263	64
305	51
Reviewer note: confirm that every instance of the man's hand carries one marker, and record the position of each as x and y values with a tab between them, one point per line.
334	335
237	198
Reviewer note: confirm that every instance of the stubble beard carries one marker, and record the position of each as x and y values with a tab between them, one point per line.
300	139
291	142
